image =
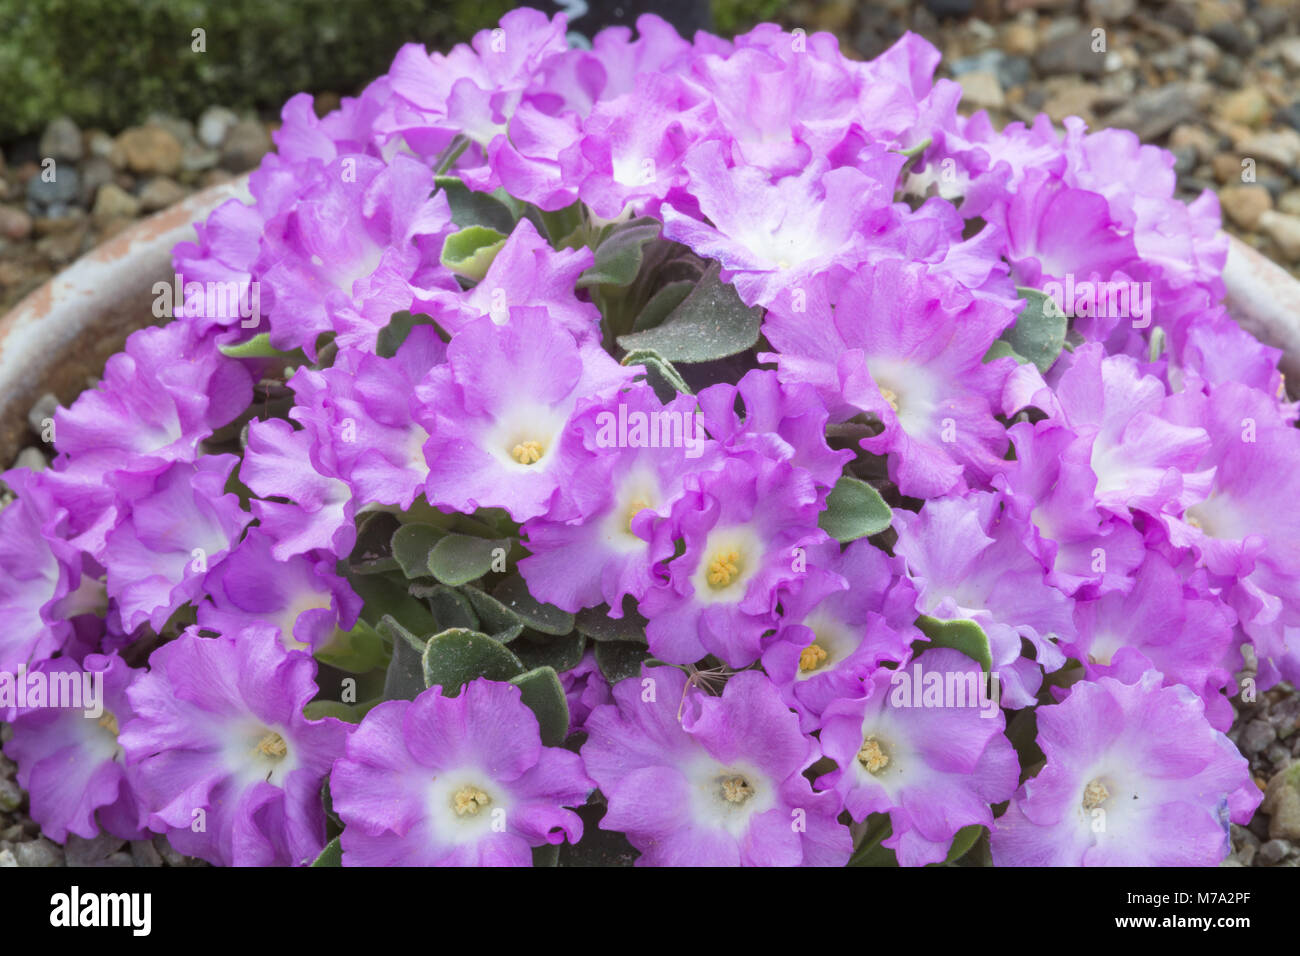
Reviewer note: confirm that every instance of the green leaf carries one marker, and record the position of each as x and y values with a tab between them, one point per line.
661	305
459	558
405	677
961	635
470	252
854	510
1039	331
962	841
596	623
494	617
562	652
393	335
457	656
470	207
452	609
561	223
548	854
619	660
710	323
618	257
259	346
869	851
547	618
660	374
332	855
317	709
381	595
356	651
411	545
544	694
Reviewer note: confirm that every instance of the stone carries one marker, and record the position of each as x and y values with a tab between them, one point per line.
144	853
982	91
1196	138
99	143
1258	734
7	858
1248	107
112	201
1274	852
95	173
1227	167
54	197
214	124
62	141
161	192
14	223
1077	99
1111	11
1281	147
244	146
1019	39
1232	37
40	852
10	796
1155	112
32	459
1071	53
148	150
42	410
1284	230
1288	50
1245	204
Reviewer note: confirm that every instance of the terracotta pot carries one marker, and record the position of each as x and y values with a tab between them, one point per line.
59	337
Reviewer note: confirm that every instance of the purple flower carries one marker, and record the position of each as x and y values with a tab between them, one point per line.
827	647
455	781
503	404
917	366
303	599
525	272
643	451
968	560
69	757
159	556
721	785
221	755
585	689
771	236
746	528
924	745
1135	776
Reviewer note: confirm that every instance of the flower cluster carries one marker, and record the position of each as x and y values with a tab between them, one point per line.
691	451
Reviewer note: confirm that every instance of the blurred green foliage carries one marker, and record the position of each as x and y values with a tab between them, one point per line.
737	16
109	63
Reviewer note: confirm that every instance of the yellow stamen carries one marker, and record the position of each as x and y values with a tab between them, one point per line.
872	755
1094	795
812	657
736	789
634	509
889	395
109	722
272	745
723	569
527	452
469	800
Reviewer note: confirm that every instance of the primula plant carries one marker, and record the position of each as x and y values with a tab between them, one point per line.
683	452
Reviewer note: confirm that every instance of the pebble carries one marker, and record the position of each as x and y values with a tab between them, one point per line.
31	458
40	852
1274	852
10	796
112	200
99	143
982	91
1290	204
1284	230
244	146
147	150
54	197
1248	106
1019	39
14	223
95	173
7	858
1244	205
1280	147
1258	733
144	853
1071	53
1282	804
1155	112
214	124
1112	11
62	141
160	192
43	409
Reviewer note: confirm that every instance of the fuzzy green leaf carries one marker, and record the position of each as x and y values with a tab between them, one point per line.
544	694
710	323
854	510
457	656
460	558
